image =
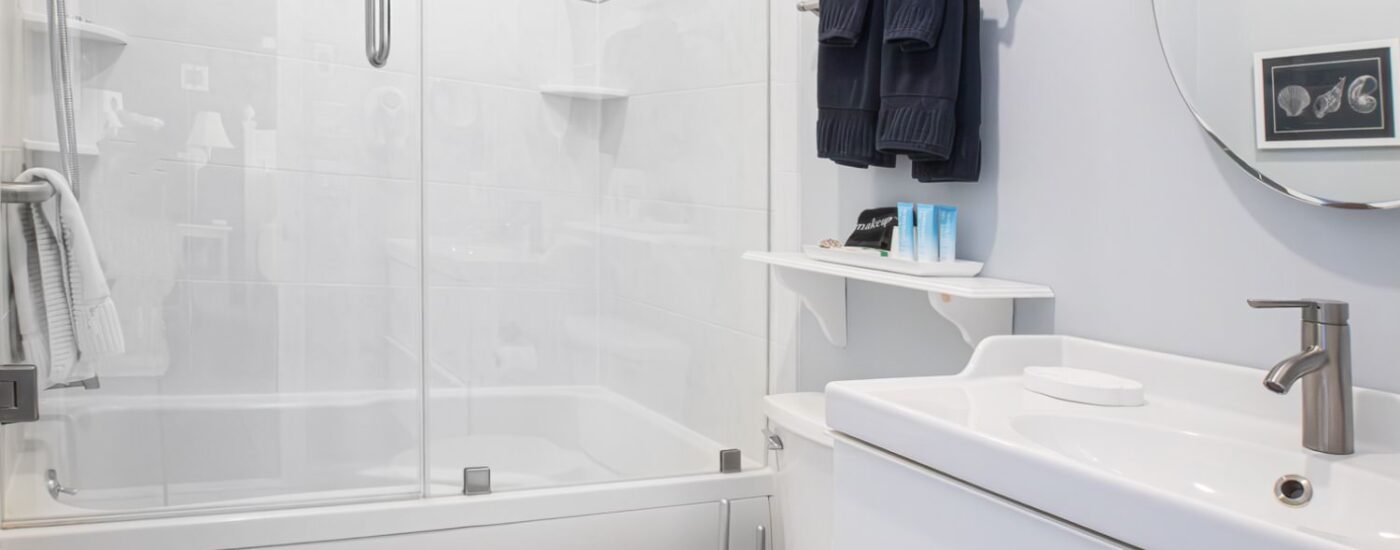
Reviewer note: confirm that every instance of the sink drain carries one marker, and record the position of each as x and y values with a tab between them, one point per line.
1293	490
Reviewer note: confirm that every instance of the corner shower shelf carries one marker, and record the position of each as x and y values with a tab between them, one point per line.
597	93
84	149
83	30
979	306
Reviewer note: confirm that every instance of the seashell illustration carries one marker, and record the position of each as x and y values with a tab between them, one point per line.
1361	94
1294	100
1331	101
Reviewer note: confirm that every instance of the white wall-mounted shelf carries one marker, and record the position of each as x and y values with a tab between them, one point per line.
83	30
979	306
84	149
597	93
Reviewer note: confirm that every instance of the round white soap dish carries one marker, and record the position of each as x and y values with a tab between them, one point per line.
1084	386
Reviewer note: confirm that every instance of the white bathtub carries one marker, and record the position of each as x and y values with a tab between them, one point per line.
193	465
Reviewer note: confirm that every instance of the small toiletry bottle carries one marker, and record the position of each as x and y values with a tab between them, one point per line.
947	233
926	233
906	239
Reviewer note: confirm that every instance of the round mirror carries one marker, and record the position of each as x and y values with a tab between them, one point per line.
1300	93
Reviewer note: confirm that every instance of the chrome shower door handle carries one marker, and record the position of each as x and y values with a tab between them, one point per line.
377	38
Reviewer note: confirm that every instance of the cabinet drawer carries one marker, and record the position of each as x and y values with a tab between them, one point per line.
883	501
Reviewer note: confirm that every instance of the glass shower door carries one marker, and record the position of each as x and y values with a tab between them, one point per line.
251	185
593	172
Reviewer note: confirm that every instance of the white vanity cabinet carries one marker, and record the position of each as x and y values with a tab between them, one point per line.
883	501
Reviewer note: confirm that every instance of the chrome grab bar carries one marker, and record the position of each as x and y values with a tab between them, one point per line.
33	192
377	38
810	6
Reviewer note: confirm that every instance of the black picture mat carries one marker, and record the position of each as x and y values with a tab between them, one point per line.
1318	79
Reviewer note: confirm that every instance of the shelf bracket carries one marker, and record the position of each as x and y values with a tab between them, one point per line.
976	319
823	295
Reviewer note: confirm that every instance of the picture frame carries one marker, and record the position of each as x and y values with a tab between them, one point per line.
1333	96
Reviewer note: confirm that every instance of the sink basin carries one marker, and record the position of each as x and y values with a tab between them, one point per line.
1189	464
1193	468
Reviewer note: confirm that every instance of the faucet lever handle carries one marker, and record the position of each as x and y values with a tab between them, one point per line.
1271	304
1331	312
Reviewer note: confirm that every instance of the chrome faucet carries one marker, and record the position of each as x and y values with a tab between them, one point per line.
1324	366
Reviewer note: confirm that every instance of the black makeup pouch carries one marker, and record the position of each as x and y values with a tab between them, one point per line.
875	228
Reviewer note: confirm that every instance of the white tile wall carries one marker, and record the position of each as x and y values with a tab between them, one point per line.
653	46
488	337
685	192
521	44
500	237
511	201
11	105
705	147
599	242
326	31
685	259
513	138
706	376
10	59
11	89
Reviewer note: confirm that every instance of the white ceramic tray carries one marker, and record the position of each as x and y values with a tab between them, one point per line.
960	268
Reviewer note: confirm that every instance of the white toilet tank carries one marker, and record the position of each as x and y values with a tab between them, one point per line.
804	470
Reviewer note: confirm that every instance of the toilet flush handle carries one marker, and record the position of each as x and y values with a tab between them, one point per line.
774	442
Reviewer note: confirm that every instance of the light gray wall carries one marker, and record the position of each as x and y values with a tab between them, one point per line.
1098	183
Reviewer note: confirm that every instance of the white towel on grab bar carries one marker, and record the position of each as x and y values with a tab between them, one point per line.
64	307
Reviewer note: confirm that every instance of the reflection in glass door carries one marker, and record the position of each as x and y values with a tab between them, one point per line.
250	183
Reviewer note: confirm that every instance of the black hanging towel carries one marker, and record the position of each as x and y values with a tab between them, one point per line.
848	82
919	82
965	163
914	25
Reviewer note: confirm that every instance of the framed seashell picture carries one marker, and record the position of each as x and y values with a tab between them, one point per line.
1327	97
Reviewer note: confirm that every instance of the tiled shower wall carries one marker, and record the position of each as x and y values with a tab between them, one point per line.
11	157
785	224
586	242
684	193
511	209
10	94
511	184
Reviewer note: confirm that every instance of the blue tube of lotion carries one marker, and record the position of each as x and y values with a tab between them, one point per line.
905	211
947	233
925	228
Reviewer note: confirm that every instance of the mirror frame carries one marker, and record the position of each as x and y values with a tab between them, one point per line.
1244	165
